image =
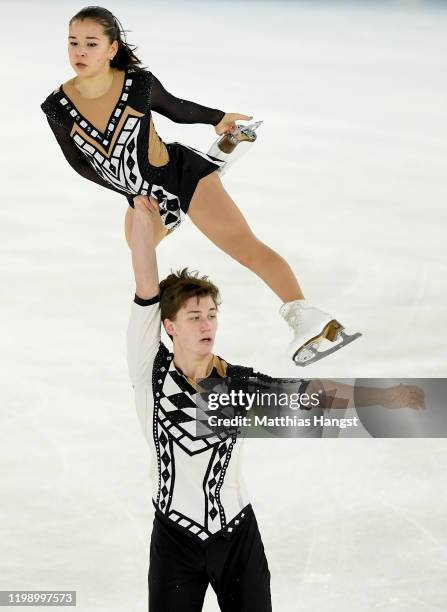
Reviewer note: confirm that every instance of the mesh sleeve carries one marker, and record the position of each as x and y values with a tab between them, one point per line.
181	111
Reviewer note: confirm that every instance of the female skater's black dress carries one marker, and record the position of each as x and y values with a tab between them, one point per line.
118	158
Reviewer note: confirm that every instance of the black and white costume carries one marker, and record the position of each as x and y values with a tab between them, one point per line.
205	530
117	157
197	482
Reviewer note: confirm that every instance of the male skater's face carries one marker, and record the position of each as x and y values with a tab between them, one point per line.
195	326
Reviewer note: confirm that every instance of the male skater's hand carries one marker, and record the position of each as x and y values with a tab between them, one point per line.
145	204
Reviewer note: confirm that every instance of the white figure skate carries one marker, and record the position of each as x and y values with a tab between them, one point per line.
312	327
231	147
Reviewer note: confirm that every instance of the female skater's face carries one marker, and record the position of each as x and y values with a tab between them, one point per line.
195	326
89	48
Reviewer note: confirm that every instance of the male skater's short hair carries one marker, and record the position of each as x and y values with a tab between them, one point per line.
178	287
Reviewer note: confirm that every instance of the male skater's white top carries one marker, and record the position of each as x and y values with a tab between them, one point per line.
197	481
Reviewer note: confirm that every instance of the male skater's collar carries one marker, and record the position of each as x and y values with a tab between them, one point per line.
216	367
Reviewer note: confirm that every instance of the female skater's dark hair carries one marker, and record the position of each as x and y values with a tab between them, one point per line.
124	57
179	286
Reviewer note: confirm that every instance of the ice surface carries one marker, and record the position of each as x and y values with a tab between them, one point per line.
347	181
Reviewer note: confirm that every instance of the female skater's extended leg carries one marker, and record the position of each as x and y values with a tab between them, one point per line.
216	215
213	211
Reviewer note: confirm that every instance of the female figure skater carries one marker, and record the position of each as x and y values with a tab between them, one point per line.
102	120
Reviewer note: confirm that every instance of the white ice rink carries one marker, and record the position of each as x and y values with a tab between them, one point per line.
347	181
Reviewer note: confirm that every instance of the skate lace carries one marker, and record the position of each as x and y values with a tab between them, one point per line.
295	316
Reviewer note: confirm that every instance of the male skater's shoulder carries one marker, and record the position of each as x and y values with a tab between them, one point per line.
143	339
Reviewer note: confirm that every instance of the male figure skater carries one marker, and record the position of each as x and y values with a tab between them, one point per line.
205	530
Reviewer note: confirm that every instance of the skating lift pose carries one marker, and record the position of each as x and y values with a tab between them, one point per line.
102	120
205	530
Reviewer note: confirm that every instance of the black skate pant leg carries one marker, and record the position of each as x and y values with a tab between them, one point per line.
177	579
238	570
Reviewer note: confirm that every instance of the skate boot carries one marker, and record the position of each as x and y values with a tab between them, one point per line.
231	147
312	328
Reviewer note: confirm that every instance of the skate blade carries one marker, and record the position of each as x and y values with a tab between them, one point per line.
309	353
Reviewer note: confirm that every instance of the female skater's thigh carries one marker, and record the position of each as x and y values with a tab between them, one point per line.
216	215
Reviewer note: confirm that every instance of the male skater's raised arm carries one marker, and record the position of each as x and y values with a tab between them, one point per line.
143	334
143	248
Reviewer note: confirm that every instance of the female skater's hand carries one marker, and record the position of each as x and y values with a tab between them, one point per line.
146	204
228	122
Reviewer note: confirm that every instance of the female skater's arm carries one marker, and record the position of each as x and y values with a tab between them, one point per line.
184	111
76	159
143	333
181	111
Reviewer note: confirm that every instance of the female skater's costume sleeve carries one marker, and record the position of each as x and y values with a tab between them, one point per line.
76	159
181	111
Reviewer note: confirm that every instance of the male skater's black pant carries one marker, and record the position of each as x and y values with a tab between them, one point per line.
180	569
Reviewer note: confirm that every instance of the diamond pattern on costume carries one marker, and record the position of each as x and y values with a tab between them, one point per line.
130	162
189	524
214	480
161	359
167	468
174	425
121	170
169	204
181	416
